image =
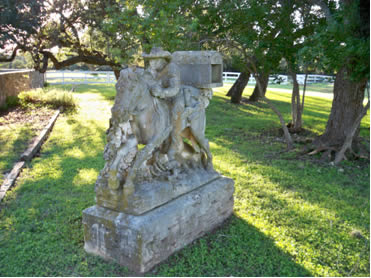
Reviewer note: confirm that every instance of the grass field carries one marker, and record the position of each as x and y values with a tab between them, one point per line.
326	88
291	218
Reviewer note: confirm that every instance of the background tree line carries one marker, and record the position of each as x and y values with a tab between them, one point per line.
257	38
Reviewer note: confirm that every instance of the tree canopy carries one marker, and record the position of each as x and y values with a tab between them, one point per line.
257	37
112	33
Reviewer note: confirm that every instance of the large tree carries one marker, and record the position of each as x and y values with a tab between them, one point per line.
169	24
244	30
249	28
262	33
66	32
97	32
256	31
296	37
345	45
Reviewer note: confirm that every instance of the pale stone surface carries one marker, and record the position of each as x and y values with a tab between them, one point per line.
149	195
201	69
140	242
158	190
162	123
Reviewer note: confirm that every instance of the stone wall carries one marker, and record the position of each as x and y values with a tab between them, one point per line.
14	82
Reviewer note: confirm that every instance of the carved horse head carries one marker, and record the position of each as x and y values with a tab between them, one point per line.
148	116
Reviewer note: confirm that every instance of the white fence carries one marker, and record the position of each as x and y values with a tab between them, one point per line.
230	77
108	77
315	78
80	77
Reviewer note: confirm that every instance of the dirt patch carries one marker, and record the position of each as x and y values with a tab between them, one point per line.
36	119
18	128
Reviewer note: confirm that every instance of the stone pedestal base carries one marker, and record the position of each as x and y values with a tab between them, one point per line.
142	241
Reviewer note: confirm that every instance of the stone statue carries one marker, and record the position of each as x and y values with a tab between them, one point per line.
157	155
153	109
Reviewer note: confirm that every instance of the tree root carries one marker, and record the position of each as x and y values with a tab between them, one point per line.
361	155
326	155
333	153
321	149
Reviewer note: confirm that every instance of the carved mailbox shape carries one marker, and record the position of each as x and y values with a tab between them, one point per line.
200	69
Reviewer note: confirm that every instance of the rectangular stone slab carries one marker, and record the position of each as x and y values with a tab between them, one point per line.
151	195
141	242
200	69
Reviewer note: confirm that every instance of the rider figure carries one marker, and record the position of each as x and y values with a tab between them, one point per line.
185	102
166	85
165	73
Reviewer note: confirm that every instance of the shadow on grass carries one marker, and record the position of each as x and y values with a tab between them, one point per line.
316	206
237	248
40	221
231	127
253	118
12	144
41	232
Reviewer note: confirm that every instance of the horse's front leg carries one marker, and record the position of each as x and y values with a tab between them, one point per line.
142	156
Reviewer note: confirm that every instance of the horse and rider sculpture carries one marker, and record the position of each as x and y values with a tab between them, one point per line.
158	190
157	126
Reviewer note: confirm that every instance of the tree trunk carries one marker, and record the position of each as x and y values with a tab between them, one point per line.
286	133
259	91
346	108
235	92
117	73
296	108
349	138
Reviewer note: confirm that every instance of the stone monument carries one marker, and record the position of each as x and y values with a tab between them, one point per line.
158	190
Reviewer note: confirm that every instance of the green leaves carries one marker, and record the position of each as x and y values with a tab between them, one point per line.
340	42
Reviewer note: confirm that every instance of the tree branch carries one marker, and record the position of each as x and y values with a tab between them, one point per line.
12	57
93	60
45	64
286	132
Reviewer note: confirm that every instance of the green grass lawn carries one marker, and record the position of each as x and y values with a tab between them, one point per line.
313	87
291	218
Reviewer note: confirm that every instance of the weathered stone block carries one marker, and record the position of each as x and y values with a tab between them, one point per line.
142	241
150	195
201	69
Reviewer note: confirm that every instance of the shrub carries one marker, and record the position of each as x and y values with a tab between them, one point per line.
10	101
54	98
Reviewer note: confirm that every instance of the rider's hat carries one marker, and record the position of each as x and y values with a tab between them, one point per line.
156	53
